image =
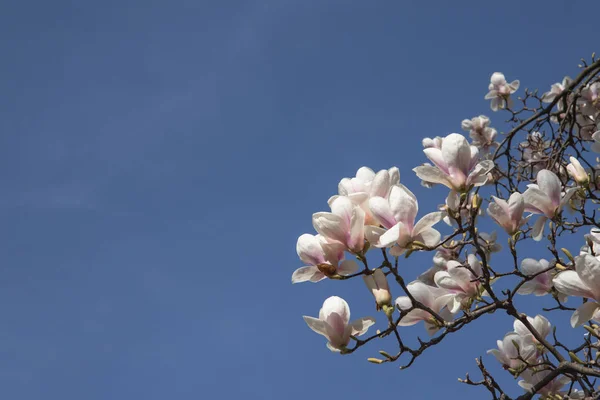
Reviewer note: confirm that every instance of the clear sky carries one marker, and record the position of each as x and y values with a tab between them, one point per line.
160	158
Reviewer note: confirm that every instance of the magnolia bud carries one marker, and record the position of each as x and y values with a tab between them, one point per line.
577	172
378	285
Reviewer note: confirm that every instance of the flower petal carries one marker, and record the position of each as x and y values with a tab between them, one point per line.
361	326
427	221
382	212
308	273
584	313
569	283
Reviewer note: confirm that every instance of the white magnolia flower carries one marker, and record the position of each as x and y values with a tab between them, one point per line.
545	198
541	284
345	224
367	184
549	391
583	282
556	89
461	282
500	91
432	297
378	285
539	323
397	216
333	323
482	135
322	258
440	263
577	172
508	354
590	99
509	215
456	164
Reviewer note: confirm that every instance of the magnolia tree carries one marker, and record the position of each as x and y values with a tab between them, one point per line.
539	181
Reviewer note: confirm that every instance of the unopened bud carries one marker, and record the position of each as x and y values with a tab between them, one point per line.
374	360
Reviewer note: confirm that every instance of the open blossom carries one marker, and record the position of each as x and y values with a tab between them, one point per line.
487	241
545	198
378	285
432	297
367	184
461	282
577	172
323	258
590	99
440	263
345	224
541	325
482	135
583	282
541	284
550	390
456	164
334	323
500	91
509	215
556	89
508	354
397	216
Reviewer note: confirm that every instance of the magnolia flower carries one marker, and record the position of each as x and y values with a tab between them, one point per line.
539	323
432	297
556	89
545	198
397	215
592	245
508	354
577	172
455	164
583	282
365	185
378	285
550	390
590	99
509	215
461	282
500	91
541	284
481	134
333	323
323	259
345	224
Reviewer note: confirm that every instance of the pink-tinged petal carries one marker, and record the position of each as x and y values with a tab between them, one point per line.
427	221
361	326
538	202
336	329
456	153
537	233
356	198
365	174
435	156
584	313
381	184
516	206
569	283
498	79
588	269
373	233
309	249
479	175
382	212
515	85
414	317
342	206
347	267
316	325
333	251
549	183
443	280
429	236
330	226
403	204
335	305
397	251
499	213
390	237
356	241
432	174
531	287
394	173
307	274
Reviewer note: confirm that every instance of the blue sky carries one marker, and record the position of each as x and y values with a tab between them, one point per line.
159	160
